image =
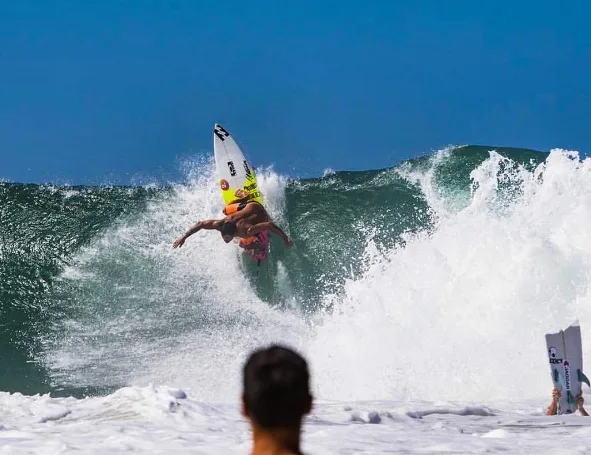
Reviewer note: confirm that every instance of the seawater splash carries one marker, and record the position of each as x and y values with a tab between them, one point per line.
460	311
437	278
427	287
142	312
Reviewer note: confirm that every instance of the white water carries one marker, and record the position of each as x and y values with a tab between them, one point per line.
147	313
461	314
164	421
453	322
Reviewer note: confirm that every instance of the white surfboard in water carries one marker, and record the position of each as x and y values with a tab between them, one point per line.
565	354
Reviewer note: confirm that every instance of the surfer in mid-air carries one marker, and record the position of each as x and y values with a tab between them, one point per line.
244	220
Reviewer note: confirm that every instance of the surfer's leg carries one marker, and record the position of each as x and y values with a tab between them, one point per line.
258	213
239	214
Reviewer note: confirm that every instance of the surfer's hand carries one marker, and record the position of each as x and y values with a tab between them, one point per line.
179	242
555	394
288	243
580	400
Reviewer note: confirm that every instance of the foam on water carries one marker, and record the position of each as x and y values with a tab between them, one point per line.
438	330
461	313
173	317
163	420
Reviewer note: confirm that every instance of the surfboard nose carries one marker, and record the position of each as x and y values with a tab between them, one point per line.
220	132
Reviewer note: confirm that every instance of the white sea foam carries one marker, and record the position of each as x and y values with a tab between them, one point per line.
456	317
163	420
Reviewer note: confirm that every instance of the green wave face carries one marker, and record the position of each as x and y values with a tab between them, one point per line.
95	263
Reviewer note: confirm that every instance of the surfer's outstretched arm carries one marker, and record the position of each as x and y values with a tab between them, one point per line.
270	226
206	224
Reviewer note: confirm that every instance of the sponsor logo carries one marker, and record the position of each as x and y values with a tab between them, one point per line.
246	168
221	133
225	185
553	356
240	193
250	187
232	168
566	365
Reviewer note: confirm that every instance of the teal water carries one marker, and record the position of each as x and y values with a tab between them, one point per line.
93	263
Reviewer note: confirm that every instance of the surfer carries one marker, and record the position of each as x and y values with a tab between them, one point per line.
244	220
275	399
553	408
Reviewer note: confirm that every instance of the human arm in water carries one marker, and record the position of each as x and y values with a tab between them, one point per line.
270	226
206	224
553	408
580	403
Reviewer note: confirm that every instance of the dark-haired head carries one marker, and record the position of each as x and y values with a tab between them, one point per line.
276	388
228	231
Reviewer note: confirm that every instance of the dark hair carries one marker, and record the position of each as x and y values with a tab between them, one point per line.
228	228
276	387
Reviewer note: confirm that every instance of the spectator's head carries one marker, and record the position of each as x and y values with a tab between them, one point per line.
276	388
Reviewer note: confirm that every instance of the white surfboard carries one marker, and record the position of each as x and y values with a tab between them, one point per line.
237	177
238	183
565	354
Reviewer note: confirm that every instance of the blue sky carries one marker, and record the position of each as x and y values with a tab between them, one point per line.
113	91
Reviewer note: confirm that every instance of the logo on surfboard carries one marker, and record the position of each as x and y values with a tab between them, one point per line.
241	194
247	169
553	355
567	374
224	185
220	132
231	168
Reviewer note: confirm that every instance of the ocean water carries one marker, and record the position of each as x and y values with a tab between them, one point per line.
420	295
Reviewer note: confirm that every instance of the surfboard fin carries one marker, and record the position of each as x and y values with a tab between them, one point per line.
582	378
